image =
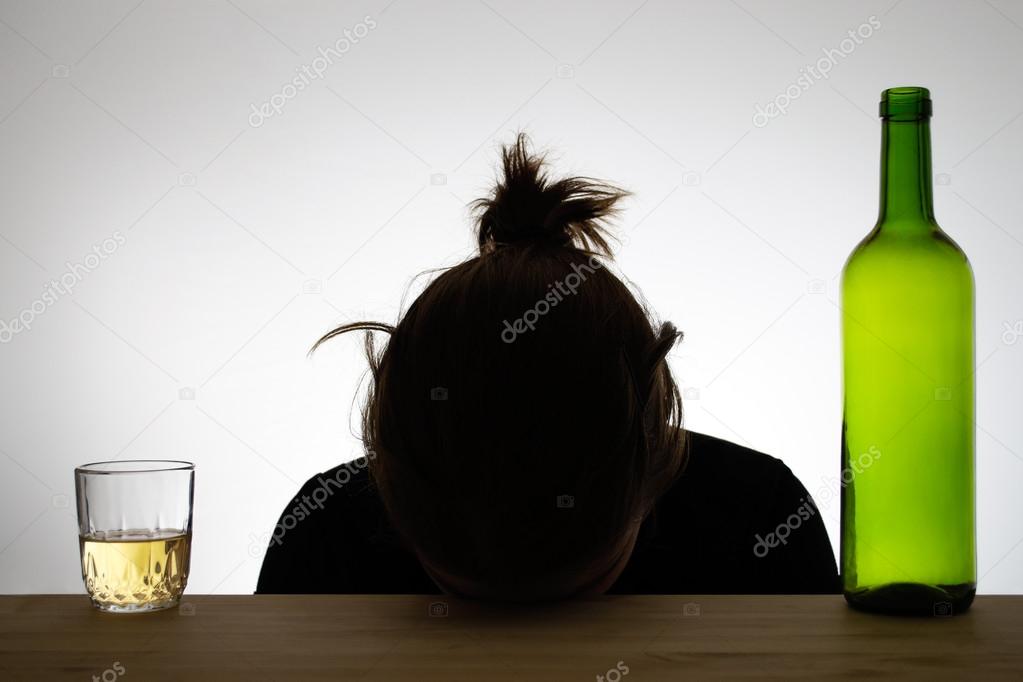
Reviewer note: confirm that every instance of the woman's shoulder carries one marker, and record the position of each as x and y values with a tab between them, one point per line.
318	544
729	483
712	458
342	486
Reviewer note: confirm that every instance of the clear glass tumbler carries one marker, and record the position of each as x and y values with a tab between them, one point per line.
135	532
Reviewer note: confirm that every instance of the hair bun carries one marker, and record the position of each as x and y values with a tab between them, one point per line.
526	207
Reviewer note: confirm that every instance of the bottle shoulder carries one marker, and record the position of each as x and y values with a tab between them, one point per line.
885	263
918	248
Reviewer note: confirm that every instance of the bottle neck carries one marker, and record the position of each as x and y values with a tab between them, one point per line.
907	202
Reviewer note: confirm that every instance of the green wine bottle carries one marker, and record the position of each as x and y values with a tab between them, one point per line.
908	528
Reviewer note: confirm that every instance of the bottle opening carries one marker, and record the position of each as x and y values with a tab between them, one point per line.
905	104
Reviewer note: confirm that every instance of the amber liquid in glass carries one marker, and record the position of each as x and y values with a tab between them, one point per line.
136	570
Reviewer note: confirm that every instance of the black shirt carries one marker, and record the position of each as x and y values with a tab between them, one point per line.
736	522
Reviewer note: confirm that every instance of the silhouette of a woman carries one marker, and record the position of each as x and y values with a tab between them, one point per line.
524	439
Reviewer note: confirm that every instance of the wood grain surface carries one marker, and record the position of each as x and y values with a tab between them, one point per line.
614	638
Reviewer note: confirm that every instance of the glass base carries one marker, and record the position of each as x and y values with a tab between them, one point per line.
912	599
145	607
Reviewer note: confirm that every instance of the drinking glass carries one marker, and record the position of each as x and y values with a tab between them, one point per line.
135	532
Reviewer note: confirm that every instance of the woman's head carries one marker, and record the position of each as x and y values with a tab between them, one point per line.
522	414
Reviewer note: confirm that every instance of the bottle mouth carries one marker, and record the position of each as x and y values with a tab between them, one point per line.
905	104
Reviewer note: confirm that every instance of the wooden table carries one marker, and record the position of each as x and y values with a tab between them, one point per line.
610	638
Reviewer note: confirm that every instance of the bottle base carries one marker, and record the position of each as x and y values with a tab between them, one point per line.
913	599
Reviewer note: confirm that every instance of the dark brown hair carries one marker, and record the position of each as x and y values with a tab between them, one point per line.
522	414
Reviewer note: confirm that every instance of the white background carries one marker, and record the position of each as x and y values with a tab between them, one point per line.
134	118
